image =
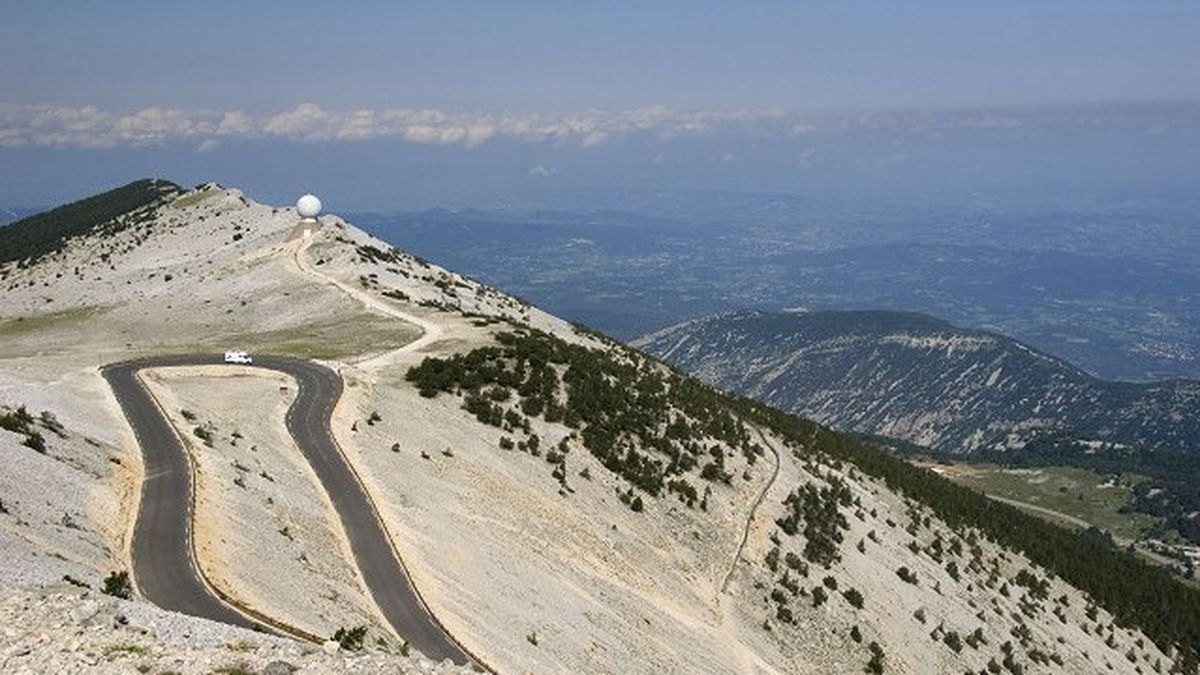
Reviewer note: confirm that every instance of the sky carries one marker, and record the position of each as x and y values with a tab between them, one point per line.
514	95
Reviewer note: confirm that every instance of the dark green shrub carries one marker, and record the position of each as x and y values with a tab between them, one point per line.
875	665
350	639
117	584
853	597
819	596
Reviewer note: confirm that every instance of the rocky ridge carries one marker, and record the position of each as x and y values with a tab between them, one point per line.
916	378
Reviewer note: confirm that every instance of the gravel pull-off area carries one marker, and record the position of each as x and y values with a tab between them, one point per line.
64	629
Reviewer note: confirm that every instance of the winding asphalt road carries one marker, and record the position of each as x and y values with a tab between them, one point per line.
162	549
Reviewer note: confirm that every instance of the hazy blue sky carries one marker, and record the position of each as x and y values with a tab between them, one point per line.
416	103
547	56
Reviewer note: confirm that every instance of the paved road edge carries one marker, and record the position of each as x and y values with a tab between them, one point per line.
396	552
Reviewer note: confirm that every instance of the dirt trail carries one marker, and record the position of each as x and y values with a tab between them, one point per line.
1043	510
737	557
431	332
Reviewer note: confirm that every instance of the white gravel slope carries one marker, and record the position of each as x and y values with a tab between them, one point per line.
530	580
65	630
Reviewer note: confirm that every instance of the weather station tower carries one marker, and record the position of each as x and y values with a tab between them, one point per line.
309	207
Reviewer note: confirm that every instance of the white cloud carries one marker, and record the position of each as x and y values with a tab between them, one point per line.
234	123
594	138
307	122
479	133
357	126
158	125
92	127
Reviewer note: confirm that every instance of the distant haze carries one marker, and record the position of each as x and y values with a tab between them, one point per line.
390	106
1028	167
1023	156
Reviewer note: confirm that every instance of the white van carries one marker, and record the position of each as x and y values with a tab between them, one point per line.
238	357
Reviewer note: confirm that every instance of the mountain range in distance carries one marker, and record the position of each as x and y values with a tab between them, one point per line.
1108	288
921	386
917	378
14	213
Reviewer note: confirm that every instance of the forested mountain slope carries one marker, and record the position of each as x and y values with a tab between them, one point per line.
32	237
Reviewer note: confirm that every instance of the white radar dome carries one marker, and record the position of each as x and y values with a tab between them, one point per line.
308	207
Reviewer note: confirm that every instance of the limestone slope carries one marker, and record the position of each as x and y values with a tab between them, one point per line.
563	503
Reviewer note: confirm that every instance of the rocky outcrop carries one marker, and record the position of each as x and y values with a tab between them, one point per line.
70	630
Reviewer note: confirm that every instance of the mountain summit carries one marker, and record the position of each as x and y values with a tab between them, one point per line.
560	502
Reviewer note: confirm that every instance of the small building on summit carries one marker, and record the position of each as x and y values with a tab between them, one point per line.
309	207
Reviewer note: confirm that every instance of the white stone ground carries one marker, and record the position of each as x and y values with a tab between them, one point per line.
63	629
266	532
503	560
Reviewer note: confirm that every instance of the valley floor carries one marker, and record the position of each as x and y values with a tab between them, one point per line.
1075	498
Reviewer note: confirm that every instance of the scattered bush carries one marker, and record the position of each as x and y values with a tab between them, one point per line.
50	421
817	511
643	424
975	638
20	421
784	614
36	442
350	639
952	570
875	665
853	597
204	434
819	596
117	584
74	582
112	652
